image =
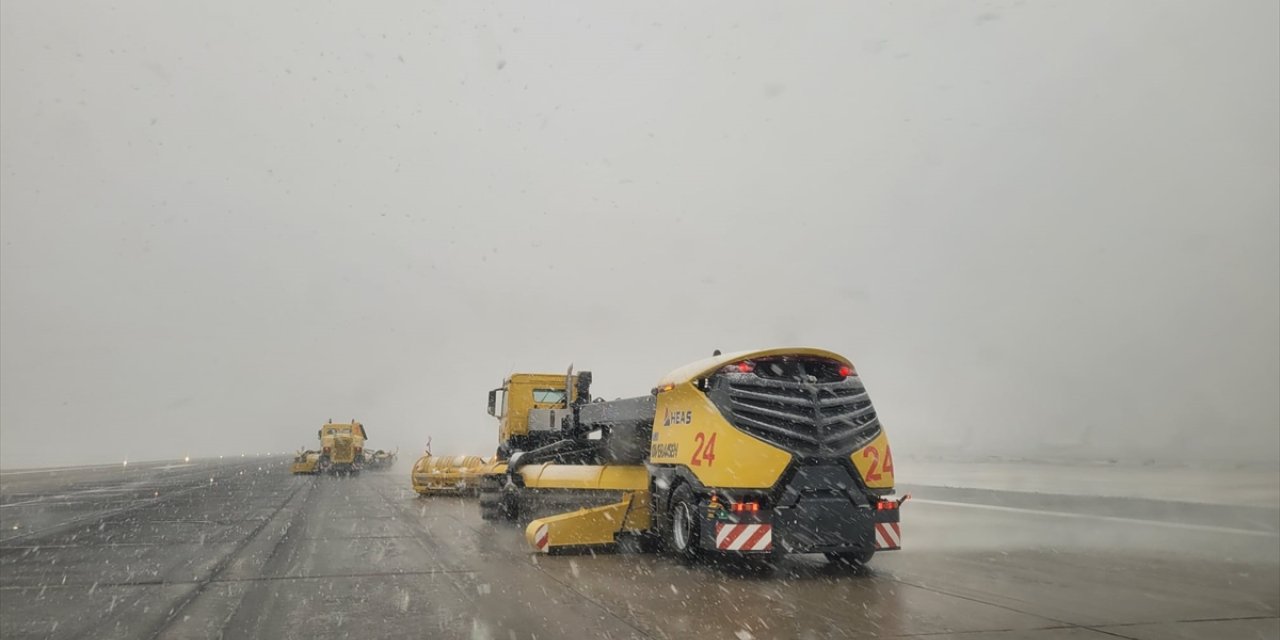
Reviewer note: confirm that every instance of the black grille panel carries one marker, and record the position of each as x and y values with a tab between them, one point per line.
813	418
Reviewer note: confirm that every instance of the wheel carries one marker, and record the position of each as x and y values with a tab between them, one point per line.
850	558
490	505
684	527
497	503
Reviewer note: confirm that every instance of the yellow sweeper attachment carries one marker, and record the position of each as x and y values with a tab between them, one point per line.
306	462
625	487
457	475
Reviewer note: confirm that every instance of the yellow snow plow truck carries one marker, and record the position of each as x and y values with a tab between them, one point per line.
341	450
750	453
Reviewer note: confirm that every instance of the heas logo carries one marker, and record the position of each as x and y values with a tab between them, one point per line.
670	417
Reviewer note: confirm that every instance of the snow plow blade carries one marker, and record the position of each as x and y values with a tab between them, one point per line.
305	462
597	526
456	475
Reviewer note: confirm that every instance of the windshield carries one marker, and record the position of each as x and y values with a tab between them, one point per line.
548	396
751	320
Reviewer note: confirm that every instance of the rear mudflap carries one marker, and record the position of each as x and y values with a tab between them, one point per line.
809	528
740	537
888	536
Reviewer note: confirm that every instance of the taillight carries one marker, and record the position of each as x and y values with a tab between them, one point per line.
890	505
846	371
740	507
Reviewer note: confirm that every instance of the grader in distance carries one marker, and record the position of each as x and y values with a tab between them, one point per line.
341	450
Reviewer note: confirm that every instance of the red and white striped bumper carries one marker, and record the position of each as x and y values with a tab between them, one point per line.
744	537
540	539
888	535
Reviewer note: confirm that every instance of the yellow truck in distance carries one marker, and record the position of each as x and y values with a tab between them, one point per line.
341	450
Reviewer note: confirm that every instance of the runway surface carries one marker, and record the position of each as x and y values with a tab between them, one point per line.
241	549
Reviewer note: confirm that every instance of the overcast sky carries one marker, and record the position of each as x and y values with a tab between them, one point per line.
1039	228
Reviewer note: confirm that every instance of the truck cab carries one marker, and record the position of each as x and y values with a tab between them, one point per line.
531	406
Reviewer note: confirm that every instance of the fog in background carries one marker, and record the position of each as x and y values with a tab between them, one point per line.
1044	229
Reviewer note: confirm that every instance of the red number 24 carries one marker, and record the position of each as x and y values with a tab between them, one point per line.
873	474
706	449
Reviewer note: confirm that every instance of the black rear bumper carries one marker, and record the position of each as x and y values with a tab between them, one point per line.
817	509
826	526
817	526
824	509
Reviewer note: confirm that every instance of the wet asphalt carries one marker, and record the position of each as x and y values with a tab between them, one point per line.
241	549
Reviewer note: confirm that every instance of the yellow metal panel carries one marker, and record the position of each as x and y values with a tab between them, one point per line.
875	463
707	366
618	476
689	430
577	476
640	516
584	527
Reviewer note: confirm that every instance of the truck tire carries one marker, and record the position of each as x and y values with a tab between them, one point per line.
490	505
683	527
498	504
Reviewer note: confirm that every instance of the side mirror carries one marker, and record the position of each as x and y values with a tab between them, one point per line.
493	403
